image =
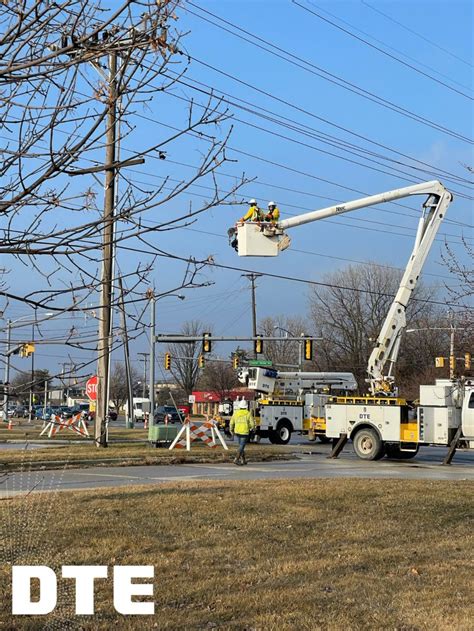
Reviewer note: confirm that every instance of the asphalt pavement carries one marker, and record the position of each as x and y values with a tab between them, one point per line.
313	464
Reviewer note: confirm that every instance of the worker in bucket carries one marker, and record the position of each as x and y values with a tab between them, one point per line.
253	213
273	213
241	424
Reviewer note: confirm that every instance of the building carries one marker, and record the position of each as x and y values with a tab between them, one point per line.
206	402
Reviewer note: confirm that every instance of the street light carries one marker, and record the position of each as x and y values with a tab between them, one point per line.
300	344
10	324
151	296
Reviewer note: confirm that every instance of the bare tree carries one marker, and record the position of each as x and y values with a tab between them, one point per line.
283	352
119	384
219	378
184	357
349	312
78	83
22	384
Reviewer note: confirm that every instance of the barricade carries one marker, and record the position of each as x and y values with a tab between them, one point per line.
206	431
75	424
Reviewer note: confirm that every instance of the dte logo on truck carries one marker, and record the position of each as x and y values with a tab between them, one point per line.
84	576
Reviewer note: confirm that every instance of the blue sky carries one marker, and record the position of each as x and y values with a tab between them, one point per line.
385	234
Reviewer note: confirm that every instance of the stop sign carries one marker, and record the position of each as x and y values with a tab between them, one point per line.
91	388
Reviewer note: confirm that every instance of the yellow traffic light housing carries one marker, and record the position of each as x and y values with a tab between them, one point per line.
439	362
168	361
258	345
206	343
27	349
308	350
467	361
235	362
452	362
201	361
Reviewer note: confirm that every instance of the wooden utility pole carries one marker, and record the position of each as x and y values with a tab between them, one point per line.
252	277
105	310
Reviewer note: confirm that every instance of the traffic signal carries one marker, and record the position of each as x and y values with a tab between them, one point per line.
206	343
258	345
439	362
308	350
201	361
27	349
235	362
467	361
168	361
452	362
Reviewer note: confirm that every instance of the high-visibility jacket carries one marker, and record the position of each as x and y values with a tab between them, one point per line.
242	422
252	214
273	215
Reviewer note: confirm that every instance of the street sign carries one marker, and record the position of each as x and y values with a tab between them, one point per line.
192	398
259	362
91	388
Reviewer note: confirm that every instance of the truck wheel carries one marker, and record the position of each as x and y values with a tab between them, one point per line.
367	444
394	451
324	439
283	433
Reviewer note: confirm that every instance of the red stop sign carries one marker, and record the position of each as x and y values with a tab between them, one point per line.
91	388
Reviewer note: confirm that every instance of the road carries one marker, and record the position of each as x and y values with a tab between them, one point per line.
313	464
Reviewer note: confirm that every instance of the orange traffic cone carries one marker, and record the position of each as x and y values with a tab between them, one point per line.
10	423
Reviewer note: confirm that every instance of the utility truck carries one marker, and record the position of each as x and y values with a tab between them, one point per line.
383	423
290	402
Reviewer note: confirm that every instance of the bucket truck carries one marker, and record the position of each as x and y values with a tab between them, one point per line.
382	423
290	402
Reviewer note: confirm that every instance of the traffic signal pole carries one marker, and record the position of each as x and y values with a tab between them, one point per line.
6	379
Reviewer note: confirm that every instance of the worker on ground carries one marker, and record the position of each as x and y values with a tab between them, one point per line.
273	214
241	424
253	213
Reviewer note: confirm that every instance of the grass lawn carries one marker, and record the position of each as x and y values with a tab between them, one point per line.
22	430
273	555
86	454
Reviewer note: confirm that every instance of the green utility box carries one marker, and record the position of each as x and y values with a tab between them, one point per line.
161	433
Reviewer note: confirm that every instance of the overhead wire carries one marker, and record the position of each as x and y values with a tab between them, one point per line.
425	39
288	56
380	50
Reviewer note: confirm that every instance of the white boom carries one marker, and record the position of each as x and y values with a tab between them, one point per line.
264	239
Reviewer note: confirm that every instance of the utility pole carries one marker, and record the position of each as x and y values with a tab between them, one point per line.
145	372
129	420
252	277
6	379
151	297
105	310
30	414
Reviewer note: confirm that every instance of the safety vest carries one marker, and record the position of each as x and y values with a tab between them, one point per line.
242	422
273	215
252	214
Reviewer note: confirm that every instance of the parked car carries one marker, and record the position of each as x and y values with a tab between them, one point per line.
21	411
167	411
112	415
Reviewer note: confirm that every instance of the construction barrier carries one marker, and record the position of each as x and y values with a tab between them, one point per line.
206	431
75	424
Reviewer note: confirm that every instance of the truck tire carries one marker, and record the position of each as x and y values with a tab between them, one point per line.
324	439
394	451
282	434
367	444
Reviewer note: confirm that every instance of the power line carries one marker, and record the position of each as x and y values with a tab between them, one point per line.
384	52
397	50
309	146
282	276
312	68
425	39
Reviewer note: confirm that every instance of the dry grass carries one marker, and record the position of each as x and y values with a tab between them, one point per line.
275	555
123	454
22	430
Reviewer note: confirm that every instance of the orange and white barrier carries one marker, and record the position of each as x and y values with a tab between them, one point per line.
75	424
206	431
